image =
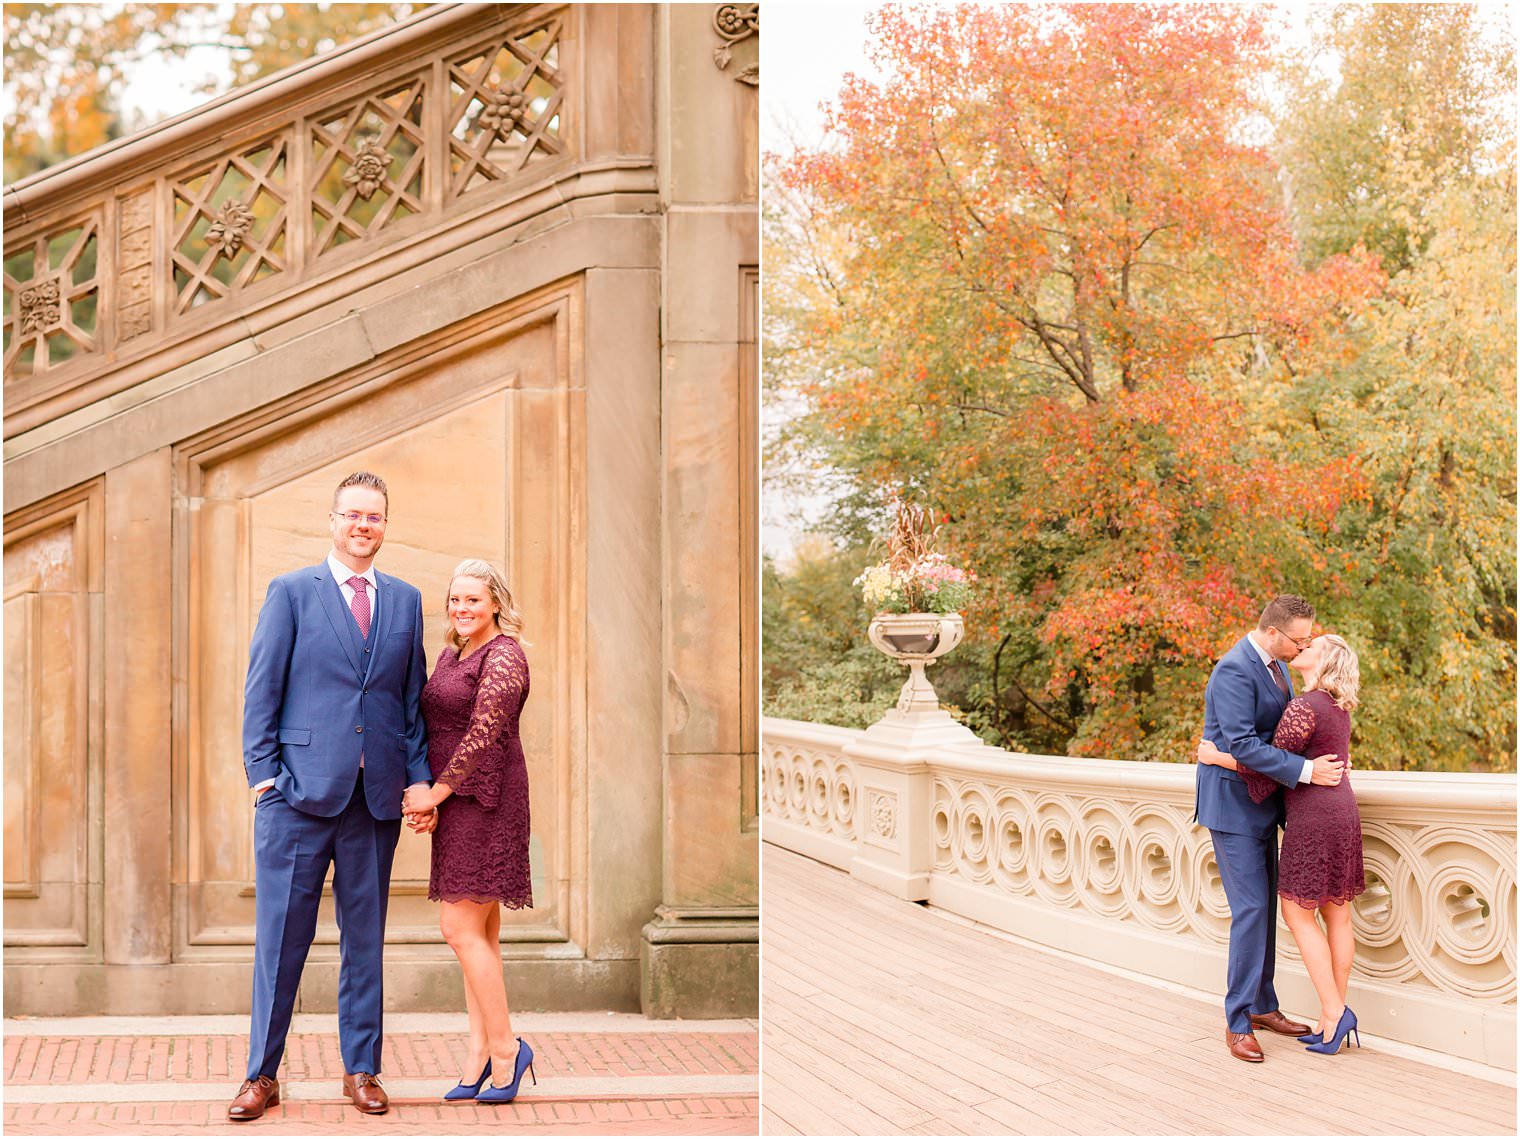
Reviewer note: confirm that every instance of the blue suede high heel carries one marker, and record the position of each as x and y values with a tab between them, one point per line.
493	1093
1311	1038
463	1090
1344	1027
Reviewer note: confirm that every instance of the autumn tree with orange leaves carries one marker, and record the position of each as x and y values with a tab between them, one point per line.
1042	278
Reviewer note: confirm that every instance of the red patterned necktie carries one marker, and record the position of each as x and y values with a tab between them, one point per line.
360	605
1275	666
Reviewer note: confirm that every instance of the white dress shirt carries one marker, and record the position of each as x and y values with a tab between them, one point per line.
1266	661
341	573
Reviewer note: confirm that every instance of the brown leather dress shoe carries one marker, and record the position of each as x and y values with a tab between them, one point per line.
365	1091
1274	1021
1243	1046
253	1097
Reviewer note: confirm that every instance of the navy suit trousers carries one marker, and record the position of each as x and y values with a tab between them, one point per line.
1248	869
292	851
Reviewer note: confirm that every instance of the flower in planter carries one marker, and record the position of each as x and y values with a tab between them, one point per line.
914	578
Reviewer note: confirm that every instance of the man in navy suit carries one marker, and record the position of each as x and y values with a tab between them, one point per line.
332	738
1246	695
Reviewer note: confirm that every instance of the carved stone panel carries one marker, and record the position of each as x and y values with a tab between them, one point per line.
134	265
52	593
476	442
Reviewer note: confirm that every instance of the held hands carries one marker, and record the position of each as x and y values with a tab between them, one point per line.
420	806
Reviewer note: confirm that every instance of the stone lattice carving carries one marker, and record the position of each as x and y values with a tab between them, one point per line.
735	23
205	225
367	162
505	107
230	219
52	287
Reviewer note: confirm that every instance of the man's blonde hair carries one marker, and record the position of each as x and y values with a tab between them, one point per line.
1339	675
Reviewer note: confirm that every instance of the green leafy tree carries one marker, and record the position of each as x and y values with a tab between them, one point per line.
1413	153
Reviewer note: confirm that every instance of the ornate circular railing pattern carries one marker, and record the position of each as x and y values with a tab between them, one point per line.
1439	909
1117	840
810	786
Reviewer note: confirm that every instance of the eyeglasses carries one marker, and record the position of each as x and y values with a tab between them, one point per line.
353	518
1301	642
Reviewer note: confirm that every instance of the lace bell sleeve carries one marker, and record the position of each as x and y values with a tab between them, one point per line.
475	769
1293	732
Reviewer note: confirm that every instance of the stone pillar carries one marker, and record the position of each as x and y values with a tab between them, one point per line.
700	951
894	789
138	604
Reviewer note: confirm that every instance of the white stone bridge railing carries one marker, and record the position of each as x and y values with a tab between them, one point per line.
1101	859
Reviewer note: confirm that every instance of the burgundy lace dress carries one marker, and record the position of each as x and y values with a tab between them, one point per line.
1321	858
480	848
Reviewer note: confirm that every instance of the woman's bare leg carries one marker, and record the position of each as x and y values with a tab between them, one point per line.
1342	943
1315	950
465	925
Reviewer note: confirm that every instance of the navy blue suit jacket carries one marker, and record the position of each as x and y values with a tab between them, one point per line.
1241	707
317	697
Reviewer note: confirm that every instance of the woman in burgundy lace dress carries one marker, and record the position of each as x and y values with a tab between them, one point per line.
1320	865
471	704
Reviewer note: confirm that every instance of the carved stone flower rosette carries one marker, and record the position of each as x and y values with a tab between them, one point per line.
505	110
733	23
368	169
231	226
39	306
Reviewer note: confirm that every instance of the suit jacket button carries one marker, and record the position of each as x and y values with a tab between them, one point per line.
358	727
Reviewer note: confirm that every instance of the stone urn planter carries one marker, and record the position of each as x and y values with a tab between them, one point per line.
916	639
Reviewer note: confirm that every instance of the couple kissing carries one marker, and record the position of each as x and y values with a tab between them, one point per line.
1271	758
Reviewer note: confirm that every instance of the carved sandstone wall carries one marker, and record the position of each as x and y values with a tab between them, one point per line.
503	255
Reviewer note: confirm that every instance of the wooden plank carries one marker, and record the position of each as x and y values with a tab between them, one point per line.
773	1124
936	1027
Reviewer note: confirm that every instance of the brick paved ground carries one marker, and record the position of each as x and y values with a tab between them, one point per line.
597	1074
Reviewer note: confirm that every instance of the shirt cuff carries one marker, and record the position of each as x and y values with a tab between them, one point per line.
1307	774
261	786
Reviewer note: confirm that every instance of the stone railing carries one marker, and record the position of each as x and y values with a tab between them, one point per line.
1101	859
201	226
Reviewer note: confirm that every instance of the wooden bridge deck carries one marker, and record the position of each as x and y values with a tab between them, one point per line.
879	1016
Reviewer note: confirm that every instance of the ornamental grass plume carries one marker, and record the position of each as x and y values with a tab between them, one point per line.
914	578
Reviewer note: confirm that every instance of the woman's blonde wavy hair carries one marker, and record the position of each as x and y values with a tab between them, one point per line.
1339	673
508	618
